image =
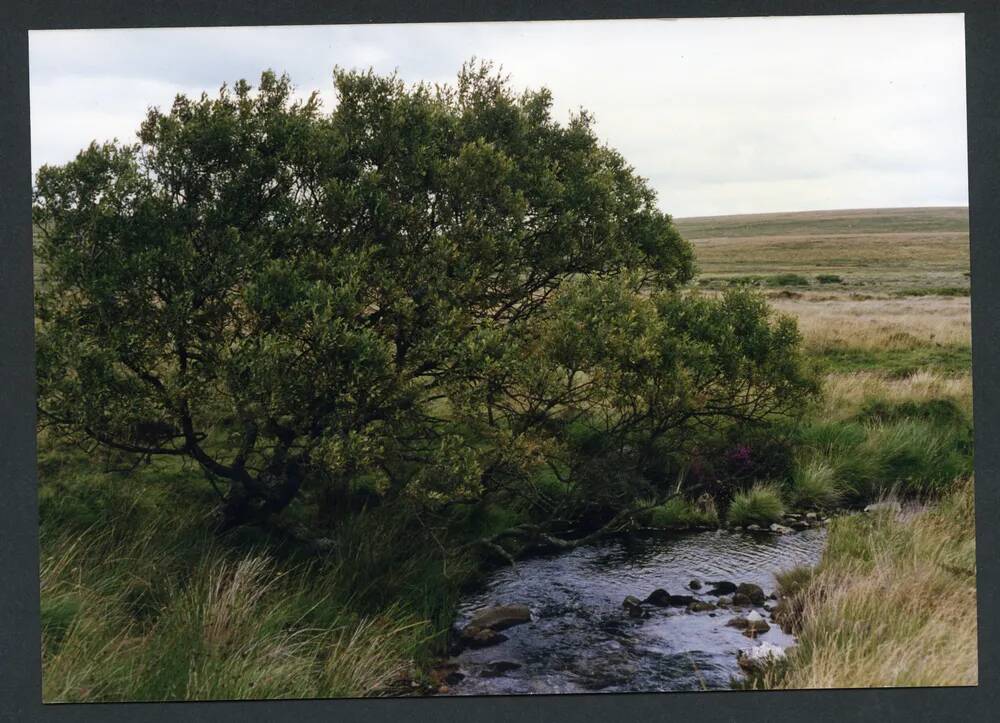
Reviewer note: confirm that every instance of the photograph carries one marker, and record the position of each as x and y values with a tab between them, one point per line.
503	358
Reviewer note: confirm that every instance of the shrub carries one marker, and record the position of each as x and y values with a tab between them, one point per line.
788	280
829	279
761	505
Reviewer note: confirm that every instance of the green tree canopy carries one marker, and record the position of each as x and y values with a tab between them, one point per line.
434	287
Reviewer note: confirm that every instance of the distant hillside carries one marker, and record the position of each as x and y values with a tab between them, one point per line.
871	220
894	247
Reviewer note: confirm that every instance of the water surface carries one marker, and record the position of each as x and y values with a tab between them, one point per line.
581	639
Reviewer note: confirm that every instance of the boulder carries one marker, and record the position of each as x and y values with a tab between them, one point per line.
812	516
755	624
780	529
724	601
722	587
501	617
681	600
700	606
753	528
753	592
658	597
633	606
799	525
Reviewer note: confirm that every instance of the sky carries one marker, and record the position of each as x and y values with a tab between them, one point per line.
723	116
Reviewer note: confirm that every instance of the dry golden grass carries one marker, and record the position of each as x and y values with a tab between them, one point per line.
881	323
893	603
844	394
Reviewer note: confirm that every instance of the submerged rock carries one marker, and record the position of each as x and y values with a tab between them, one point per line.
681	600
501	617
476	637
695	584
499	667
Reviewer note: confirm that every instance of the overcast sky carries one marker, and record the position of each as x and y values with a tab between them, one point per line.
722	115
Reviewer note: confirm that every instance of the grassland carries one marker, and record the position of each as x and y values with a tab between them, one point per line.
882	301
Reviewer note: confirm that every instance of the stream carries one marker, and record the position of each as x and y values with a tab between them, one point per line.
581	640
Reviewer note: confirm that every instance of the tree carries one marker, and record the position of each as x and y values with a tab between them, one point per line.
428	287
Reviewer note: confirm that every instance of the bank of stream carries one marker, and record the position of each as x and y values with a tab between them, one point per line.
580	637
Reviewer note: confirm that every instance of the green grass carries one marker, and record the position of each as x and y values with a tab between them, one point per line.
914	449
679	512
761	505
934	291
897	362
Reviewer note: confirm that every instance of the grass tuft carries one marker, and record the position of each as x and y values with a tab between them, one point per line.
761	505
815	484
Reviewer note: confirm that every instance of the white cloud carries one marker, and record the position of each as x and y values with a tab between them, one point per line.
722	115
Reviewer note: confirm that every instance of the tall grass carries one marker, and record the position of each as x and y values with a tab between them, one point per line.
892	603
155	606
815	484
119	623
761	505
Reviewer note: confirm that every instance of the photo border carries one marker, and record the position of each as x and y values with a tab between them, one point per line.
20	657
